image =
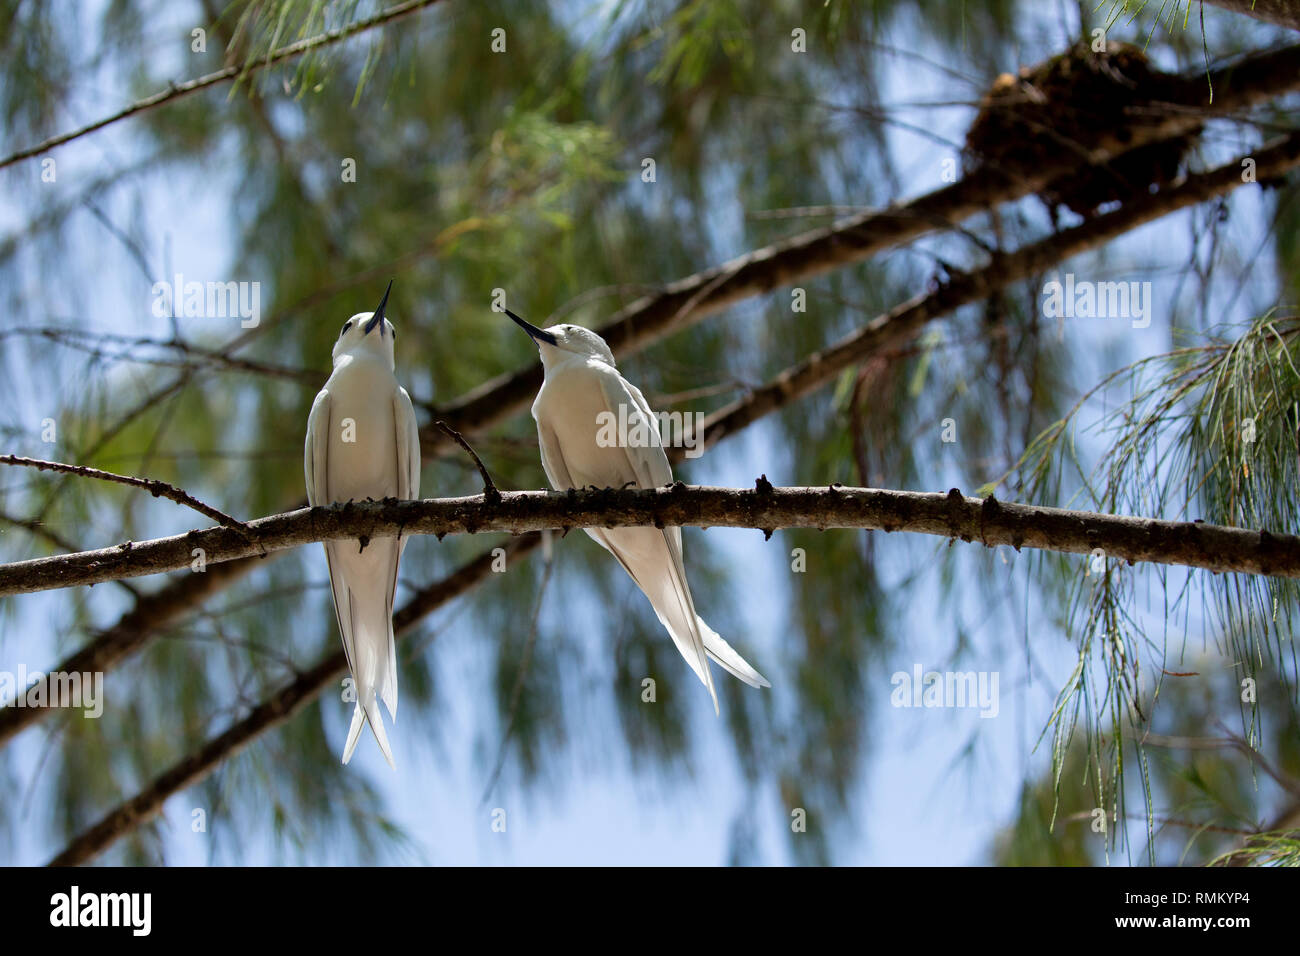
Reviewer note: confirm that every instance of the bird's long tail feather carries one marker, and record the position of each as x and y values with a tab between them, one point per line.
659	573
725	656
676	609
366	621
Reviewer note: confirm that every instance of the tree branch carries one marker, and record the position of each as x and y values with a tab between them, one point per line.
155	611
109	647
176	91
1193	544
270	713
489	486
39	529
645	321
159	489
710	306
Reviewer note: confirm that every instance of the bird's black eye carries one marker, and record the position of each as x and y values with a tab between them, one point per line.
346	325
394	335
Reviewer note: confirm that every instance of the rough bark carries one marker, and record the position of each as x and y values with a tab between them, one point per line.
159	489
952	515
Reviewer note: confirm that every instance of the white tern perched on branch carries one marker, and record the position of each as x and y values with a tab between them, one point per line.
362	442
582	389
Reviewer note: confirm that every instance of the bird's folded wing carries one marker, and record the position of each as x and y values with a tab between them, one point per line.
407	442
316	466
408	446
649	461
316	448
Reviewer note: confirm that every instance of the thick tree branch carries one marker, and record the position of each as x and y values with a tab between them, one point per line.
270	713
808	255
178	90
1193	544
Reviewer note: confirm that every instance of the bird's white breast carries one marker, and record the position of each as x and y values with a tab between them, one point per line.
362	433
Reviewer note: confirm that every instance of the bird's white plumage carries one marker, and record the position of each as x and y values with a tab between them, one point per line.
362	442
582	382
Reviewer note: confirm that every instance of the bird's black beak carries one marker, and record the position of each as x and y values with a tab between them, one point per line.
541	335
379	312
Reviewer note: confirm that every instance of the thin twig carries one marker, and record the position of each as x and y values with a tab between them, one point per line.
151	613
640	323
129	348
1282	780
490	492
904	321
1086	815
157	488
177	90
1229	741
1256	553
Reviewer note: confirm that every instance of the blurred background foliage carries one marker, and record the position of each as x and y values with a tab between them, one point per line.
478	171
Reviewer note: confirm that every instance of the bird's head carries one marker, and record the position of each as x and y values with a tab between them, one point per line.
561	341
368	332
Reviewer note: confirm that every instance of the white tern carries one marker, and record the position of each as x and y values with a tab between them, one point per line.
583	388
363	442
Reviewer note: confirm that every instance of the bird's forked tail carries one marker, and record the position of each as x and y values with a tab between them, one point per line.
368	714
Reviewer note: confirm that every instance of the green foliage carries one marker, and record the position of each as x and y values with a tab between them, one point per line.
1206	432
